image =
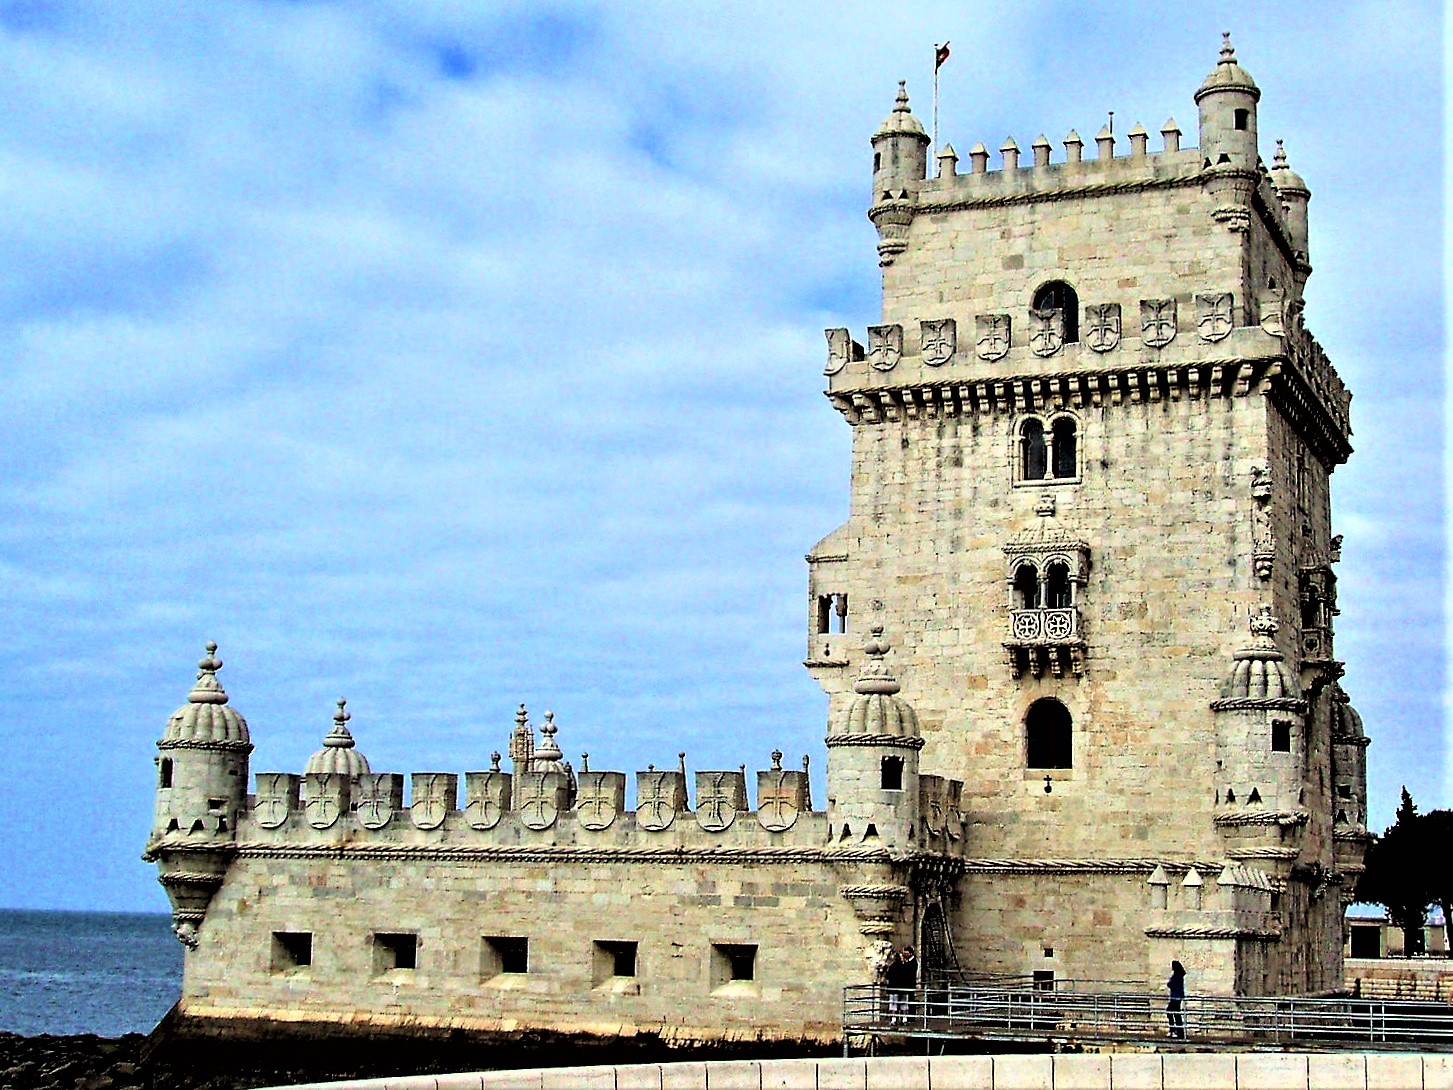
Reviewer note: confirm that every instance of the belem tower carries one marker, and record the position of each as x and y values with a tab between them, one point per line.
1077	635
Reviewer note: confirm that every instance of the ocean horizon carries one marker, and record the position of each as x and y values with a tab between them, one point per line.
106	973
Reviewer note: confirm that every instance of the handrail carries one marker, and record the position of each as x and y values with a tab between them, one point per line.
1104	1015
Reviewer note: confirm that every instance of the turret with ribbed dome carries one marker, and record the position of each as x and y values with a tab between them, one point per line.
202	770
900	165
872	765
1227	100
339	754
1295	196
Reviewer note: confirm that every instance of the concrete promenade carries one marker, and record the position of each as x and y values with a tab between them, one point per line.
1099	1071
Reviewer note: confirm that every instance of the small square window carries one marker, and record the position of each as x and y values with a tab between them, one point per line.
505	955
291	950
1344	790
613	961
733	968
395	950
1049	951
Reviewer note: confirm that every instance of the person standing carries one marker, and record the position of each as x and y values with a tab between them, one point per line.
1174	1010
902	980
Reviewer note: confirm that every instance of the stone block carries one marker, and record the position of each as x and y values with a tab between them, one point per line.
1271	1071
683	1076
1136	1071
514	1080
966	1072
894	1073
1391	1071
638	1077
733	1075
1332	1071
1193	1071
1438	1073
790	1074
578	1078
1087	1071
1023	1072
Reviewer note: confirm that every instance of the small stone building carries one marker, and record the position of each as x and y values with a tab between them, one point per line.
1092	444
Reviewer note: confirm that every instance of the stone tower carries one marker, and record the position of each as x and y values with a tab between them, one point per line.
1092	444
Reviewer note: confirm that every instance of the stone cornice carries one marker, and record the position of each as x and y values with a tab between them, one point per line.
1083	866
1286	818
1255	934
194	743
929	205
887	741
1252	703
524	853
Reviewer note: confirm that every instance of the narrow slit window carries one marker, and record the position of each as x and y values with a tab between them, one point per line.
1033	454
1281	736
166	772
1066	457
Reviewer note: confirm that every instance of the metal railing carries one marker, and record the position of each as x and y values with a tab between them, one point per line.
1045	1015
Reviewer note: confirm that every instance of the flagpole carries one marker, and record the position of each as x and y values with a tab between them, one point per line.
935	106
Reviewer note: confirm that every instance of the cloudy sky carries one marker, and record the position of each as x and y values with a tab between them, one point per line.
448	356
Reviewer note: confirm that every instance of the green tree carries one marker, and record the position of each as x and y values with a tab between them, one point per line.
1401	873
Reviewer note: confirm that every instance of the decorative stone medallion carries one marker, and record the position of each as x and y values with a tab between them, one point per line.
885	346
1157	322
777	806
431	799
539	806
717	800
489	797
993	342
839	350
656	797
375	799
1102	326
1214	319
1046	331
598	801
274	799
938	340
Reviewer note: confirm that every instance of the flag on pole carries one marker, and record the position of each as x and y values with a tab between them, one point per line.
940	54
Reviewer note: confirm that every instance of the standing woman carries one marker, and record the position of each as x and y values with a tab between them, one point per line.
1177	988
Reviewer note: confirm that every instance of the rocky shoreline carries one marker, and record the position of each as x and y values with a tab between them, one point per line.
165	1061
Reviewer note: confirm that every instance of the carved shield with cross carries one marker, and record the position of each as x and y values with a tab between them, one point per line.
487	798
993	342
277	795
1214	319
601	797
719	795
885	346
1102	326
1157	322
539	799
375	796
938	341
434	796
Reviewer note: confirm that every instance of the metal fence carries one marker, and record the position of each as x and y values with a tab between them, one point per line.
1017	1013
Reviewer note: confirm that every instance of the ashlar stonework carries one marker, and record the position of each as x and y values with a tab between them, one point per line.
1110	730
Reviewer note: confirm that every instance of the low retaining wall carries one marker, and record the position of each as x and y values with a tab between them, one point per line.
1104	1071
1428	979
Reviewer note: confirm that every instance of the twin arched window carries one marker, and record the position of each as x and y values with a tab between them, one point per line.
1048	456
1054	591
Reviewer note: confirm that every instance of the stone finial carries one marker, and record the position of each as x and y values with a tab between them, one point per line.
585	762
1074	147
900	106
1228	51
338	737
208	690
1279	160
1159	883
1192	879
494	759
978	159
1171	133
1264	626
1138	139
522	718
948	162
1105	143
1192	887
1041	148
549	750
875	676
776	760
1158	877
1010	151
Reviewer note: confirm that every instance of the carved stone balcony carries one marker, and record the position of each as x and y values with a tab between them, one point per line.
1045	639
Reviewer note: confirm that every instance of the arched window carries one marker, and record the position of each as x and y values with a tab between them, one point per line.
1057	587
1062	443
1048	732
1057	295
1033	456
1026	587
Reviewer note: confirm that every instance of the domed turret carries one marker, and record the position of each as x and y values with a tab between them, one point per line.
547	757
900	164
1295	196
201	786
872	760
1349	764
339	754
1227	100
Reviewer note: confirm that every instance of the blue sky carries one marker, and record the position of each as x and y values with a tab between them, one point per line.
449	356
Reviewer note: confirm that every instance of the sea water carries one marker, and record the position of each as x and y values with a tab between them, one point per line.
86	972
